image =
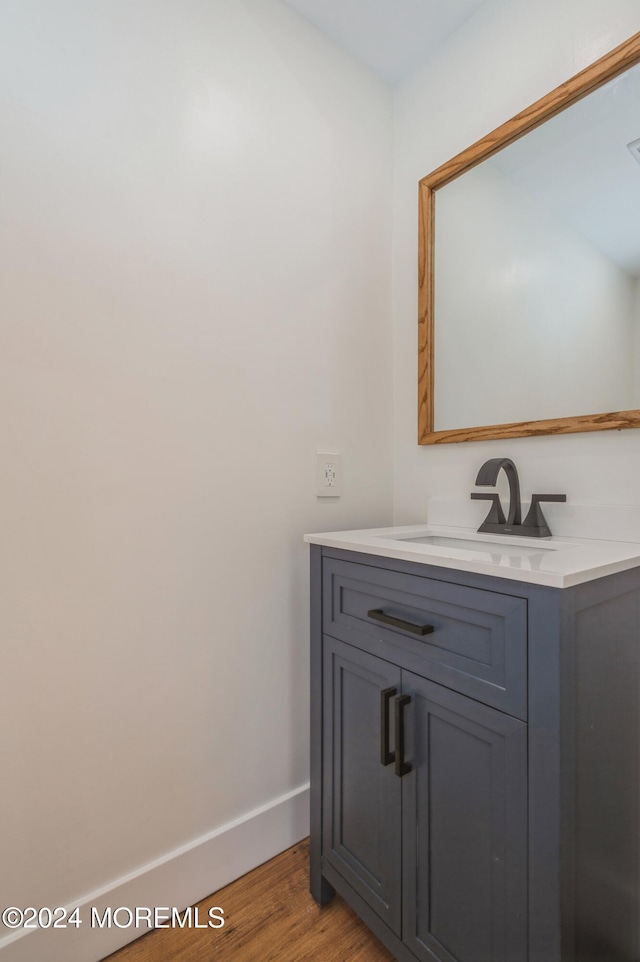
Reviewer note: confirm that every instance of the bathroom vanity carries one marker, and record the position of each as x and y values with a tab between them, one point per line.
475	723
475	742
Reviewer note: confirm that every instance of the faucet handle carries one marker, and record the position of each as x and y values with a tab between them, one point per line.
496	514
535	519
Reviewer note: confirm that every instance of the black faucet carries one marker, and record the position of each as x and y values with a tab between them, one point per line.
534	526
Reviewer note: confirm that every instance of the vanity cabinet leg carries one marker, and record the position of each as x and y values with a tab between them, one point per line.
321	890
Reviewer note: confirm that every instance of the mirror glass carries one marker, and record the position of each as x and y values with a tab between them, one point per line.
537	271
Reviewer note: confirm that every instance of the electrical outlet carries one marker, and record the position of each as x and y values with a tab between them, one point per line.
329	475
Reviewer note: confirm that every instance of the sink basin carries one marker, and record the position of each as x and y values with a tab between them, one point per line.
513	549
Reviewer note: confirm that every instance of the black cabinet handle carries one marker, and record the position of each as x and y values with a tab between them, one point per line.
386	757
402	767
378	614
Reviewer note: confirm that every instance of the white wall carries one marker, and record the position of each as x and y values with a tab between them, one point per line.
534	321
195	285
510	53
636	344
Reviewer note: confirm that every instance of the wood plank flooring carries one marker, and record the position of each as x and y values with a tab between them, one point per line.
270	917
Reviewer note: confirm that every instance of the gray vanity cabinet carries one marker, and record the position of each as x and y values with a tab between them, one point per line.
465	831
362	798
511	834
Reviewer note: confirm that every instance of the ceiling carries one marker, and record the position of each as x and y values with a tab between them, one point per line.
393	37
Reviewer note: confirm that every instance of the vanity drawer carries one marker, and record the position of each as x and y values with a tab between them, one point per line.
478	641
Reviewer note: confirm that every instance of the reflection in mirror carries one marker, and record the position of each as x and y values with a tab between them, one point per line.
537	267
529	268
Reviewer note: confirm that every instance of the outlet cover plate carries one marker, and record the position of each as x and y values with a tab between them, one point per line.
328	475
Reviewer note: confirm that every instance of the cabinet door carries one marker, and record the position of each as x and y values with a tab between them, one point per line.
464	829
361	832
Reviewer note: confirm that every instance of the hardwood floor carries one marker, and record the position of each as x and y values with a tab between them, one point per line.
269	917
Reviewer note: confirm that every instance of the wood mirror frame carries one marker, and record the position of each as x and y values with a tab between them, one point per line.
603	70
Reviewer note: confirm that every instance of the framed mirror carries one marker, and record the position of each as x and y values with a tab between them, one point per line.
529	268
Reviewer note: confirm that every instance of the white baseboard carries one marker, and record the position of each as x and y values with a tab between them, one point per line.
178	879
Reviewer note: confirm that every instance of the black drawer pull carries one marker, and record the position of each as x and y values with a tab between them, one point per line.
378	614
386	757
402	767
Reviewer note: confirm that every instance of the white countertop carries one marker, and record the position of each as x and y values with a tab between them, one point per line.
556	562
